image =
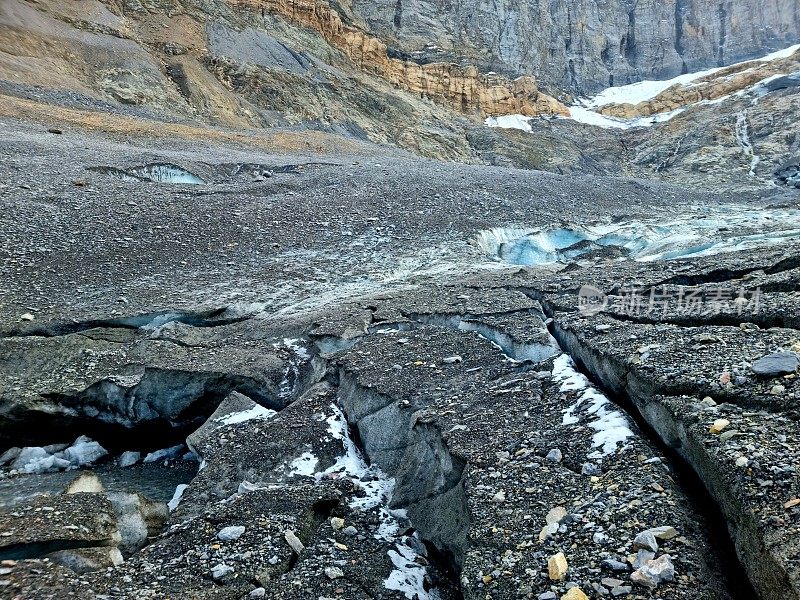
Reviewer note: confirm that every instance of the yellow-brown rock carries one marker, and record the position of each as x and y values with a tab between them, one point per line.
557	567
461	88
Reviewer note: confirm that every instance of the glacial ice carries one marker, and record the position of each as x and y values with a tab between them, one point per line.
700	233
35	459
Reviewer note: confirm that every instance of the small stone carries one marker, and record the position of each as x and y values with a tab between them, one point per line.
727	435
294	542
554	455
777	390
708	402
221	571
599	538
718	426
557	567
547	596
556	515
621	590
333	573
27	317
645	541
451	360
590	469
574	594
54	131
775	364
228	534
337	523
350	531
791	503
742	462
86	482
614	565
641	558
259	592
499	497
547	531
665	532
610	582
654	572
725	378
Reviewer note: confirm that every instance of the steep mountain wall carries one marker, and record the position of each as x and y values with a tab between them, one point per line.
583	45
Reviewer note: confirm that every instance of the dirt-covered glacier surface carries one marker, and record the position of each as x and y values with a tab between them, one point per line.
225	374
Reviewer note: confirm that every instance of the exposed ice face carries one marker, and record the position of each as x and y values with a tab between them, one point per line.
701	233
159	173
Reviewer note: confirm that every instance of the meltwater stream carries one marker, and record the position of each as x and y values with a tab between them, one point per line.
697	233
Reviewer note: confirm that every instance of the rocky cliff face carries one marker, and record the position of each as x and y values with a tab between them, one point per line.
583	45
461	87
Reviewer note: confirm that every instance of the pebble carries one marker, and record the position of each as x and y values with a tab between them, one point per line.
614	565
451	360
294	542
337	523
221	571
718	426
646	540
777	363
665	532
621	590
333	573
547	596
259	592
555	515
574	594
654	572
557	567
350	530
554	455
26	317
642	557
742	461
228	534
777	390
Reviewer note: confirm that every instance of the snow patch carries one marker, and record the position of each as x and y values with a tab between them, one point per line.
257	412
304	465
611	426
408	576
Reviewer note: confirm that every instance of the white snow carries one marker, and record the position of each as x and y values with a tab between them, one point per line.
408	576
634	93
257	412
647	90
611	426
305	465
176	497
510	122
163	454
